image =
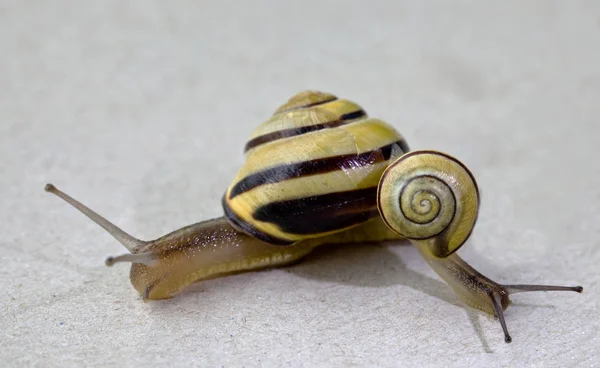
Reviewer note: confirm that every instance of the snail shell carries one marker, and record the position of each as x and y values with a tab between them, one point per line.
311	170
430	197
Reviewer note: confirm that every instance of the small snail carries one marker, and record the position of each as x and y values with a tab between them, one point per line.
320	171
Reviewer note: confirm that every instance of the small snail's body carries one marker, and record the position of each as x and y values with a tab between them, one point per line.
320	172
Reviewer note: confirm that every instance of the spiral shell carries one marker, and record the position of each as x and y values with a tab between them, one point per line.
428	196
312	169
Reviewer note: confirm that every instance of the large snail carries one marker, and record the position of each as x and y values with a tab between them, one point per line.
320	172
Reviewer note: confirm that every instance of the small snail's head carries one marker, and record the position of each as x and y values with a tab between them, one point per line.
431	199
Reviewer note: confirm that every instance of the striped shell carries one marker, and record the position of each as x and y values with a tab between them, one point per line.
311	170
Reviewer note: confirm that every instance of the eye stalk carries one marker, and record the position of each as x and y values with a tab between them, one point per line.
132	244
432	199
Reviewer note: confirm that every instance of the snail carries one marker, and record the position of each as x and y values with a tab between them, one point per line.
320	171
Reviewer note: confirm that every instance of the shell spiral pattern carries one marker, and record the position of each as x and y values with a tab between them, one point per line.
312	169
431	197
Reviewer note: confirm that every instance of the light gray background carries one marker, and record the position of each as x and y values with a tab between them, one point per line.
141	109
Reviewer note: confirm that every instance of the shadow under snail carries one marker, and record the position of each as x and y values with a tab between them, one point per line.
319	171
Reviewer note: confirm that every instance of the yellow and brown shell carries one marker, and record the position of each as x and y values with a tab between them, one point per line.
311	170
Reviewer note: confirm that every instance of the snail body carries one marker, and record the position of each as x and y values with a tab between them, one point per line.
320	171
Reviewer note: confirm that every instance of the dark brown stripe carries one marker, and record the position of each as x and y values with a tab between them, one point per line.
330	99
291	132
247	228
354	115
305	106
322	213
404	146
312	167
286	133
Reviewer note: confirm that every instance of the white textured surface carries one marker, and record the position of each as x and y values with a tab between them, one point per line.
140	109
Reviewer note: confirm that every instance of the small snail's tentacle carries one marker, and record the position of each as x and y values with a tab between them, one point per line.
514	289
497	303
429	197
